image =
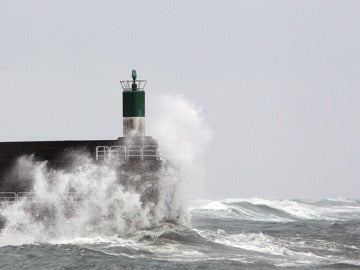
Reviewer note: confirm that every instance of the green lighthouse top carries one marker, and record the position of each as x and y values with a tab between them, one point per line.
134	84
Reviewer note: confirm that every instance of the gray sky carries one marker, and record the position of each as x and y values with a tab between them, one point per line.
278	82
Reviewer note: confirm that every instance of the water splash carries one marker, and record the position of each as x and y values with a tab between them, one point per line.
90	200
87	199
185	136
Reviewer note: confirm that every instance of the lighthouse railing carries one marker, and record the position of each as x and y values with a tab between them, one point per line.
127	85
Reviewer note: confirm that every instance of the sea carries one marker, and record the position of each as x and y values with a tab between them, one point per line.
89	217
222	234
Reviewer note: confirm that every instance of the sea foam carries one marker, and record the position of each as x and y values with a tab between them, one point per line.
102	206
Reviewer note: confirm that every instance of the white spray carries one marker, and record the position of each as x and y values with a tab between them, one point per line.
183	133
86	199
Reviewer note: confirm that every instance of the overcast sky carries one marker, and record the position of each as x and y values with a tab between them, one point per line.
278	82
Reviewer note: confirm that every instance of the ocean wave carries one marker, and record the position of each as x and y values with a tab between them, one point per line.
247	241
166	242
258	209
282	251
176	243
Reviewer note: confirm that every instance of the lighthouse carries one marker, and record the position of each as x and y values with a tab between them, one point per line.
134	154
133	106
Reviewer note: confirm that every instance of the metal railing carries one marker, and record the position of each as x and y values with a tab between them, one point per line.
127	153
13	196
30	196
127	85
8	196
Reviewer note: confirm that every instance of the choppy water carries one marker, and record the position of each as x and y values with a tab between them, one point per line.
229	234
110	227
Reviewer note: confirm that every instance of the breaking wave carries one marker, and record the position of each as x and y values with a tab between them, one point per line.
88	213
276	237
257	209
90	200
